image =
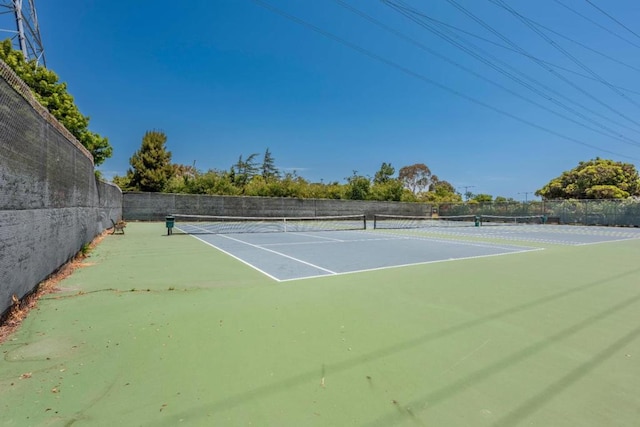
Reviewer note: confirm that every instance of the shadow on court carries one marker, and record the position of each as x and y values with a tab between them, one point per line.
161	331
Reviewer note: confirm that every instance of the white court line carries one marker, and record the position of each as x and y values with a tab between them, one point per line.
416	263
607	241
391	237
278	253
524	233
498	236
318	237
457	241
335	241
551	241
237	258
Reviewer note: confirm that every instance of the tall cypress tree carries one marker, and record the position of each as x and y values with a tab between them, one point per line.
269	169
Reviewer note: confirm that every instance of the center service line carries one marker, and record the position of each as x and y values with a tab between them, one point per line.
278	253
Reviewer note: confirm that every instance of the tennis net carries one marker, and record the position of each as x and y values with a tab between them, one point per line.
400	221
205	224
511	220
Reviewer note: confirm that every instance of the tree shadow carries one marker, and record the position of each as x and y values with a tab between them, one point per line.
540	399
445	392
442	394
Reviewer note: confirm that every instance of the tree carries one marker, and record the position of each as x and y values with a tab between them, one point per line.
269	170
244	170
415	177
151	166
55	98
384	174
391	190
123	182
483	198
441	192
183	178
502	199
358	187
594	179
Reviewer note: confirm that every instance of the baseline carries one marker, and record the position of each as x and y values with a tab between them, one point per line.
298	256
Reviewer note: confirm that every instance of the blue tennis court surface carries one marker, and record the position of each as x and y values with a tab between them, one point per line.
297	255
552	234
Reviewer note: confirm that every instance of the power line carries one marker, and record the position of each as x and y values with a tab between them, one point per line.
555	45
596	24
425	79
413	14
613	19
507	40
584	46
610	132
486	40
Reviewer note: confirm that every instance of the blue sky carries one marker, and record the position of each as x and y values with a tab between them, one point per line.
330	92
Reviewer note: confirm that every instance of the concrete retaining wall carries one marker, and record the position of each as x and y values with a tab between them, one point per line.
155	206
50	201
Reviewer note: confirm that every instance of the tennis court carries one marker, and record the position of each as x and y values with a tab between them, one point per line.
297	255
508	228
573	235
292	248
160	330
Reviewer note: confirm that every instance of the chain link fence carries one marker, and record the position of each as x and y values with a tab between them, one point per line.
50	201
622	213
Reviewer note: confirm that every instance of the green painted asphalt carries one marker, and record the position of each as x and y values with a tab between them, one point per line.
166	331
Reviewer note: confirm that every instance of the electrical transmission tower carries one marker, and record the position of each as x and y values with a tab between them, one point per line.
22	16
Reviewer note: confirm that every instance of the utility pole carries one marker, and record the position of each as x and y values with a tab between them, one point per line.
26	35
466	190
526	193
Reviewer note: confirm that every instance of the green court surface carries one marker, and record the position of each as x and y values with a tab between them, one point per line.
167	331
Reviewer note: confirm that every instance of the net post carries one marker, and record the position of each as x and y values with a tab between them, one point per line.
364	222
